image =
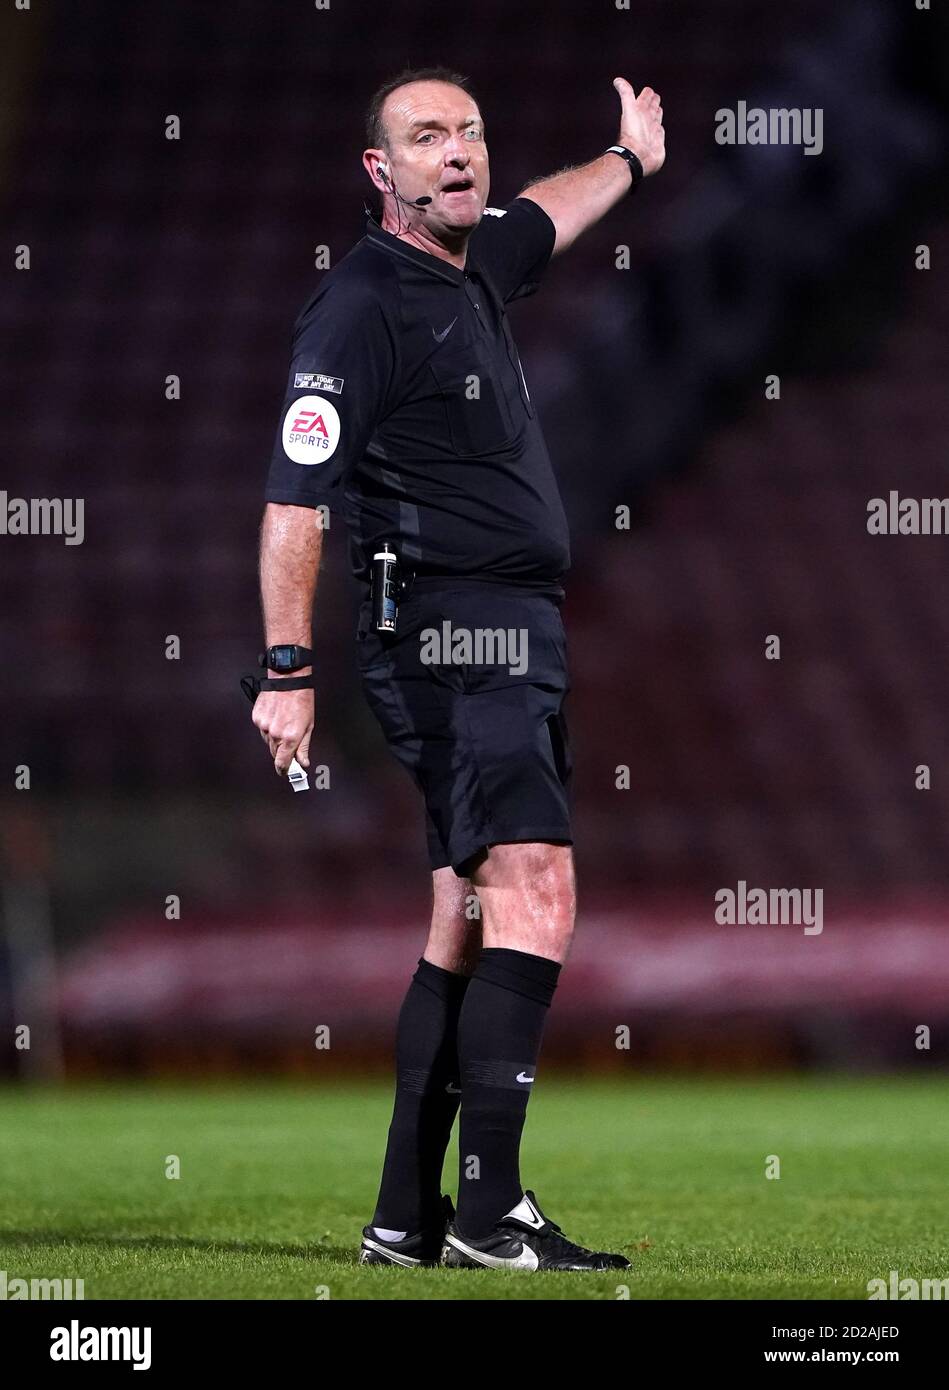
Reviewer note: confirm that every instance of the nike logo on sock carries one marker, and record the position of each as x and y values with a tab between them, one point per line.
453	1090
526	1079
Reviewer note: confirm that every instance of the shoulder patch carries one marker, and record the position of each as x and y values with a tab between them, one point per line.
311	430
315	381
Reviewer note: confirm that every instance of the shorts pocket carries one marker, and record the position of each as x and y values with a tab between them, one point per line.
560	746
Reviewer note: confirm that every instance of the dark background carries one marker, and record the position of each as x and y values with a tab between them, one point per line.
151	257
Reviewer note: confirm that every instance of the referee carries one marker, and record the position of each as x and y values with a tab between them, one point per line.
407	408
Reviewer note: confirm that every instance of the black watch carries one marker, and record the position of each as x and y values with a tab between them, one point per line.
285	659
632	160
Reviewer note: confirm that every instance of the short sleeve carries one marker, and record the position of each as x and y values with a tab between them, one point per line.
513	245
341	369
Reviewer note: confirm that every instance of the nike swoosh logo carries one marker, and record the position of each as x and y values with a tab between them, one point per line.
526	1258
407	1260
526	1079
440	337
526	1211
453	1090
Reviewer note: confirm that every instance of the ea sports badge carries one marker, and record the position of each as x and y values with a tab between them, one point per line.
311	430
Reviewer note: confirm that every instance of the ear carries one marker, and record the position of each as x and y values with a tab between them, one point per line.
373	161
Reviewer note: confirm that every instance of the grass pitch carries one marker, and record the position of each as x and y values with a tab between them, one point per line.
276	1181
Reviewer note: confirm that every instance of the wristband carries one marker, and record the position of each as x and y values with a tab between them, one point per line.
635	167
253	685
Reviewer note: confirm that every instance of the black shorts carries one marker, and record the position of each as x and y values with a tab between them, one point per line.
485	739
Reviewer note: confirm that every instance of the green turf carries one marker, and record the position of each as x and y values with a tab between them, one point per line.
277	1180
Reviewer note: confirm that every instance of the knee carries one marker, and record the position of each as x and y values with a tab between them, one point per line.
553	888
551	884
528	898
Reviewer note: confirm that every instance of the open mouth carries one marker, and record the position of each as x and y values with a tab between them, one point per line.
460	185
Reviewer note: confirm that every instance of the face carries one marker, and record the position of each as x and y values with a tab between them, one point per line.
436	149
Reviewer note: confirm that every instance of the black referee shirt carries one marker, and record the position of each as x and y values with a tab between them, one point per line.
406	402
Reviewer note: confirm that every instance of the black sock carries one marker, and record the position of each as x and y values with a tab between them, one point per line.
499	1034
424	1112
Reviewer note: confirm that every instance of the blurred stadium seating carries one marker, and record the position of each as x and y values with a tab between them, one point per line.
152	258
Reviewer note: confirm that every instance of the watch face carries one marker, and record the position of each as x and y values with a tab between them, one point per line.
282	658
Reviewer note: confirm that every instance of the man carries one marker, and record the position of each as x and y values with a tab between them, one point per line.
407	406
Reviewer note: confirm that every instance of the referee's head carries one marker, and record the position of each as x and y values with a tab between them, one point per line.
426	140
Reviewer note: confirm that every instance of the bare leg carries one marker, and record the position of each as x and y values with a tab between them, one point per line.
454	940
528	898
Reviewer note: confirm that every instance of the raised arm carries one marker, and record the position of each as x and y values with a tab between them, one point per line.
576	198
291	542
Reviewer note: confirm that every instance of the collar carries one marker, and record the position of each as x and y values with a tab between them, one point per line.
424	259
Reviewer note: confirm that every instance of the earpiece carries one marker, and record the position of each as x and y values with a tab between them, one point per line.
383	173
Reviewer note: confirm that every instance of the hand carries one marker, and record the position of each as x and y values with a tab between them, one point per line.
285	719
640	125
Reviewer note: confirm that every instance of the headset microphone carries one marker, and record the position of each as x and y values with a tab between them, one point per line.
422	202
